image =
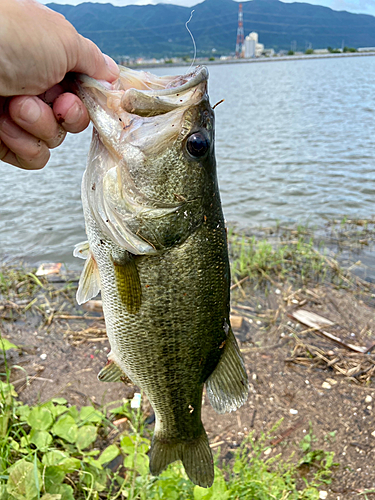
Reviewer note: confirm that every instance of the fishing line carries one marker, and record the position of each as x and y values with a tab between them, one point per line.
195	47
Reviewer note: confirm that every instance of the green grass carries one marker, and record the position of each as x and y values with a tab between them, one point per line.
260	259
54	451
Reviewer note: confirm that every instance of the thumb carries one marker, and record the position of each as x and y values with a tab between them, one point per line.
91	61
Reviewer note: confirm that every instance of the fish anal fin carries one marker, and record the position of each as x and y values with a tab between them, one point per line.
113	373
195	455
227	387
128	283
89	282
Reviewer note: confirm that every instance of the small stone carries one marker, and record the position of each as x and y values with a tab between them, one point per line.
254	376
368	399
326	385
373	434
43	356
293	412
323	495
307	382
267	451
259	322
277	291
331	381
295	301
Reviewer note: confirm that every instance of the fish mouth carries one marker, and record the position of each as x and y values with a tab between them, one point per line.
144	94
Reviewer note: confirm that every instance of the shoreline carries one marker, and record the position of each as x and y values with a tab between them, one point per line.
255	60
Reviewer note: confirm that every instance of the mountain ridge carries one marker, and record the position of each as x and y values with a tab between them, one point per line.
159	30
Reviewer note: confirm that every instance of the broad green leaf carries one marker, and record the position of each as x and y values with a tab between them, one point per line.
65	490
13	444
89	414
3	492
110	453
41	439
21	483
40	418
86	435
48	496
62	460
5	345
23	412
141	464
59	401
66	428
95	477
54	457
73	412
58	410
25	441
127	445
53	476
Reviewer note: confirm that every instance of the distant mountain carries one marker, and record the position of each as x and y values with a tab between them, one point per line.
159	30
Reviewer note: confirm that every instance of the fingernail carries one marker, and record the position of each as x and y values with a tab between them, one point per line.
30	110
112	66
8	127
74	114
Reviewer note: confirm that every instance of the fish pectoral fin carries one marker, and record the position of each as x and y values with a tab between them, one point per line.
82	250
89	282
128	283
228	386
195	455
113	373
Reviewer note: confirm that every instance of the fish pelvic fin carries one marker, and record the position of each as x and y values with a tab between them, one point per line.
111	372
128	283
228	386
89	282
82	250
195	455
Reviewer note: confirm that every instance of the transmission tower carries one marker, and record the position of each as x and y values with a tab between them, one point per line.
240	35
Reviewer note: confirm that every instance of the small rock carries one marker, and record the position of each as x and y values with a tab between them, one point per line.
373	434
277	291
254	377
326	385
267	451
307	382
293	412
323	495
295	301
368	399
331	381
43	356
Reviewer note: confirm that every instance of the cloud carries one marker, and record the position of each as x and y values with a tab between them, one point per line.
362	6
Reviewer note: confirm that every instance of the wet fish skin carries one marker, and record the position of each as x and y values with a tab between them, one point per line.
166	302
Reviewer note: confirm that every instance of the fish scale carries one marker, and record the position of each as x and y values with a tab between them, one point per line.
162	263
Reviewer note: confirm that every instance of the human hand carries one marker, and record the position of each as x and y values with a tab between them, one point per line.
38	47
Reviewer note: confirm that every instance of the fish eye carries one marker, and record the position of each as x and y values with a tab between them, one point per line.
197	145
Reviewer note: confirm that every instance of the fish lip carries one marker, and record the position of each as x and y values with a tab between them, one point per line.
199	75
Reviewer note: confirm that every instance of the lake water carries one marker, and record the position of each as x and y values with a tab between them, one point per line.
295	141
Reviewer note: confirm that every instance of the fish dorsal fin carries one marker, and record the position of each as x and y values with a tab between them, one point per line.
89	282
112	373
227	387
82	250
128	283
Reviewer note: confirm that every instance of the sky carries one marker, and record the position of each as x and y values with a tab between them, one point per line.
358	6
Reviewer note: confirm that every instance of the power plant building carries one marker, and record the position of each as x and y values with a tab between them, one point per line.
251	46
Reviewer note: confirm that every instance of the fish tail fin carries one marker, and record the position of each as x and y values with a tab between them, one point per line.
195	455
228	386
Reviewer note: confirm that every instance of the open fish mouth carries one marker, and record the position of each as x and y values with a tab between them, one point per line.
144	94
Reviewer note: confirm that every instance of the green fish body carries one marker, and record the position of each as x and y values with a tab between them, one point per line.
157	250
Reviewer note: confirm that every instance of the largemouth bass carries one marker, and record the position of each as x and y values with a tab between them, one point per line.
157	250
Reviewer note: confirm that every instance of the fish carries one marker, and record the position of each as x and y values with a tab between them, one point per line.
157	250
